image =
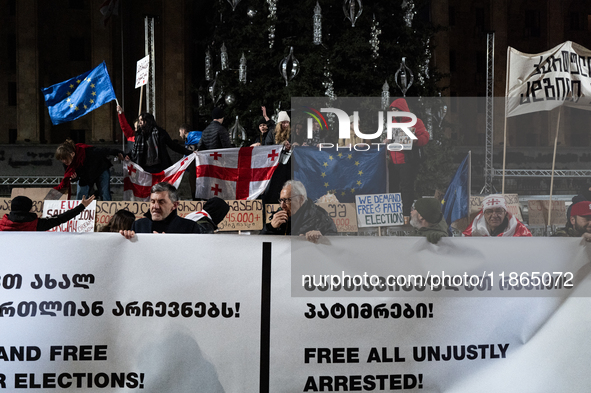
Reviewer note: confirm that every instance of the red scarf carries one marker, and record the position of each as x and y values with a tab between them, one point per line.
77	161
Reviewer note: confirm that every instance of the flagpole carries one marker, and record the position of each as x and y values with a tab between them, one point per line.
122	69
505	120
553	164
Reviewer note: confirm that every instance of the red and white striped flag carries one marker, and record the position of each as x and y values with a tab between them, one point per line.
237	173
137	182
108	8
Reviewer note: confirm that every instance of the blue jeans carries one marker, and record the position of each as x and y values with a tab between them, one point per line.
103	184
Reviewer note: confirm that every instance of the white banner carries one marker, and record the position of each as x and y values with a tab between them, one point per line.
185	313
547	80
83	222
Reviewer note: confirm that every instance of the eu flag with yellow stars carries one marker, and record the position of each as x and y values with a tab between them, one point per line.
343	172
76	97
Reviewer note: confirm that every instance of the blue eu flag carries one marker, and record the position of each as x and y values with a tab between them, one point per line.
341	172
456	200
76	97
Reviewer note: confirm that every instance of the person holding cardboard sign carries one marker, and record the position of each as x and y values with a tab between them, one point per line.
21	218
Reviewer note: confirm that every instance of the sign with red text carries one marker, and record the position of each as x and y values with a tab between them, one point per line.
83	222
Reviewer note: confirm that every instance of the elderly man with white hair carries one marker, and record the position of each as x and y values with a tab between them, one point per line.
299	216
495	220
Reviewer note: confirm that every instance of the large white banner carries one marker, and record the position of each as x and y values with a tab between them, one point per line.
547	80
186	313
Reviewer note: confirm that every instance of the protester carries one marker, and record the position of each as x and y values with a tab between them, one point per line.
88	165
580	222
191	138
149	150
583	195
298	215
215	135
162	217
21	218
494	220
427	219
264	125
127	130
298	136
282	132
121	220
404	165
214	211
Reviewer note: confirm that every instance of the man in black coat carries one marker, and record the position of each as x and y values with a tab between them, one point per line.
215	135
299	215
162	217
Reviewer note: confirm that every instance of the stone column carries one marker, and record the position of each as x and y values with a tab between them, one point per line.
173	111
102	50
27	72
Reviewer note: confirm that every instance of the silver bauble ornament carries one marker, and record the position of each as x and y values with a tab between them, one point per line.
289	67
251	12
230	99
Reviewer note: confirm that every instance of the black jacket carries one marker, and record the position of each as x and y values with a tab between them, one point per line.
95	163
215	136
14	221
163	140
171	224
309	217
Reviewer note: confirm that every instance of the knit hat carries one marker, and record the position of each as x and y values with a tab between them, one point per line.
494	200
429	209
217	113
262	121
579	209
21	204
217	208
282	116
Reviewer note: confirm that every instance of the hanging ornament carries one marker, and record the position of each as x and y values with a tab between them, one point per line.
317	25
201	97
233	3
230	99
374	40
441	112
409	12
251	12
349	10
224	57
207	66
406	77
242	69
385	95
425	66
329	84
215	90
289	67
273	17
237	134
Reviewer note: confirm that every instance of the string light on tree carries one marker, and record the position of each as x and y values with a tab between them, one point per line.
208	65
424	68
385	95
242	69
317	25
224	57
409	12
273	17
374	40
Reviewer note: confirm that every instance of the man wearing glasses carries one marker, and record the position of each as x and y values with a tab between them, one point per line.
299	215
495	220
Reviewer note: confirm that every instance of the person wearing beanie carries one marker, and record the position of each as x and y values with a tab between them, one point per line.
21	218
494	220
264	124
427	219
282	132
215	135
580	222
214	211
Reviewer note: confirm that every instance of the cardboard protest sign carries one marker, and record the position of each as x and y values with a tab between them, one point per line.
538	212
142	71
83	222
378	210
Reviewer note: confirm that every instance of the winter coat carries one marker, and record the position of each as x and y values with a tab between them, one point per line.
171	224
410	156
309	217
215	136
163	140
26	221
433	232
514	227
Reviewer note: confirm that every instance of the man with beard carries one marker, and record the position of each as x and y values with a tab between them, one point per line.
580	220
427	219
149	150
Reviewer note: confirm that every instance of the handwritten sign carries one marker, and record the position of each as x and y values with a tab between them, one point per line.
83	222
538	212
243	215
142	72
37	193
379	210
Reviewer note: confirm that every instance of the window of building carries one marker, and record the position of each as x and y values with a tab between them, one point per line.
452	61
12	134
11	93
479	19
11	51
78	136
12	7
575	21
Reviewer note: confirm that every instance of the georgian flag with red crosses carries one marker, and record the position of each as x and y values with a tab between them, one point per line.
236	173
137	182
